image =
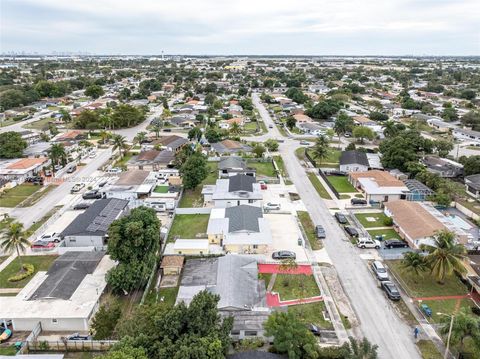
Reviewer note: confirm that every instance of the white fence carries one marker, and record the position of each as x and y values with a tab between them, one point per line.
193	210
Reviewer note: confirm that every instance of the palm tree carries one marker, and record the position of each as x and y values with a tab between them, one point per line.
235	129
361	349
414	262
445	256
389	128
156	127
14	239
140	137
321	148
65	115
104	135
57	153
120	143
464	326
166	113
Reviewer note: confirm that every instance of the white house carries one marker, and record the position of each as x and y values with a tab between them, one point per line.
234	191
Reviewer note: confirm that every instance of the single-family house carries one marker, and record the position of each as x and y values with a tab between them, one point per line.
472	185
439	125
232	165
466	135
312	128
172	143
233	191
354	161
151	160
239	229
378	186
230	146
19	169
443	166
131	185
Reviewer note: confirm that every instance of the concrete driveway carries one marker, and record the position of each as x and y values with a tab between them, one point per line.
285	234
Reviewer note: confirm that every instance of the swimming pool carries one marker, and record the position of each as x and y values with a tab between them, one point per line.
459	222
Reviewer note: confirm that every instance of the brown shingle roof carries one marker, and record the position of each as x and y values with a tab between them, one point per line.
148	155
172	261
383	179
132	178
413	219
231	144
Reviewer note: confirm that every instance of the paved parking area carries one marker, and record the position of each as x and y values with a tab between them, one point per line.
393	253
277	193
285	234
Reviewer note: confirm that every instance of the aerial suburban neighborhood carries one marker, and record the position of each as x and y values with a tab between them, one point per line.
193	206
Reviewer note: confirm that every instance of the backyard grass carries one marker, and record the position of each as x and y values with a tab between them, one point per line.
193	198
212	174
309	228
35	197
263	168
295	286
281	167
447	306
318	186
300	153
378	219
311	313
341	184
428	350
188	226
41	263
386	233
161	189
425	285
265	277
166	296
9	350
16	195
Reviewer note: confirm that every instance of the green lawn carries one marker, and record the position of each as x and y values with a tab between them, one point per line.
167	296
9	350
188	225
309	228
212	173
161	189
193	198
14	196
34	198
263	168
294	286
122	161
311	313
332	159
386	233
41	263
318	186
341	184
428	350
378	219
4	223
265	277
425	285
448	307
40	124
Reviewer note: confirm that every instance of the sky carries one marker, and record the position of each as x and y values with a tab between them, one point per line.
256	27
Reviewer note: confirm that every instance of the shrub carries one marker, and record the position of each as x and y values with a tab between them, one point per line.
28	271
476	310
387	221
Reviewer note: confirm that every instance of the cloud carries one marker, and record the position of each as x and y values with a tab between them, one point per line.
246	27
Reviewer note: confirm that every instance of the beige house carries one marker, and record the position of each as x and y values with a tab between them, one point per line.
172	265
191	247
378	186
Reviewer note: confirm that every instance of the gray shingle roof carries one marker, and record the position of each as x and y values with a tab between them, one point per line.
243	218
241	183
354	157
232	162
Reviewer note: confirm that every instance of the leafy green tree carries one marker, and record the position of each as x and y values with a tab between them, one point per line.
235	129
471	165
119	143
104	136
296	95
324	109
133	241
468	94
471	118
361	349
156	127
464	326
361	133
105	320
258	150
290	122
271	144
57	154
14	239
194	171
11	145
445	256
343	124
65	115
213	135
378	116
391	129
88	119
182	156
321	148
127	116
94	91
290	336
125	352
443	147
195	133
414	262
449	114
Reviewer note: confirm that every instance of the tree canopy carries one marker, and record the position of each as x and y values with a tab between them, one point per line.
194	171
324	109
11	144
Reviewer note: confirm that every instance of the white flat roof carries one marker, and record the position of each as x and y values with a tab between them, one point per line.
181	244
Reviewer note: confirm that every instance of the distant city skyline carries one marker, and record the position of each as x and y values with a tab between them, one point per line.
211	27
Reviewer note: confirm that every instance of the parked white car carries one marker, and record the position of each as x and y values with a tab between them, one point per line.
368	243
49	237
380	271
272	206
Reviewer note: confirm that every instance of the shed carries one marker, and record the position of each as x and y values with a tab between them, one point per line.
172	265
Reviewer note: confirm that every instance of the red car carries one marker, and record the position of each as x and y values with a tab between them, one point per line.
263	186
43	244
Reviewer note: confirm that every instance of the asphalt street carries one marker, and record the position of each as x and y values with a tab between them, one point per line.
378	320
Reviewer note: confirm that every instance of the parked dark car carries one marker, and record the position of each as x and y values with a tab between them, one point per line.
341	218
284	255
320	231
77	336
80	206
103	183
358	201
391	290
351	231
314	329
167	130
395	243
92	195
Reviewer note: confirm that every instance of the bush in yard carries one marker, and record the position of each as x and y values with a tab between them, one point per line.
476	310
105	320
388	221
28	270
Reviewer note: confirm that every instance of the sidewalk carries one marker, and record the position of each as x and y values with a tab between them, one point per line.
273	300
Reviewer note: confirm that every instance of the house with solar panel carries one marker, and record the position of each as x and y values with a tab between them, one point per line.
90	228
239	229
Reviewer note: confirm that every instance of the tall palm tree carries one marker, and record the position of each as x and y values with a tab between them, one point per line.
414	262
14	239
140	137
389	128
65	115
464	326
361	349
104	135
235	129
445	256
321	148
57	154
120	143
